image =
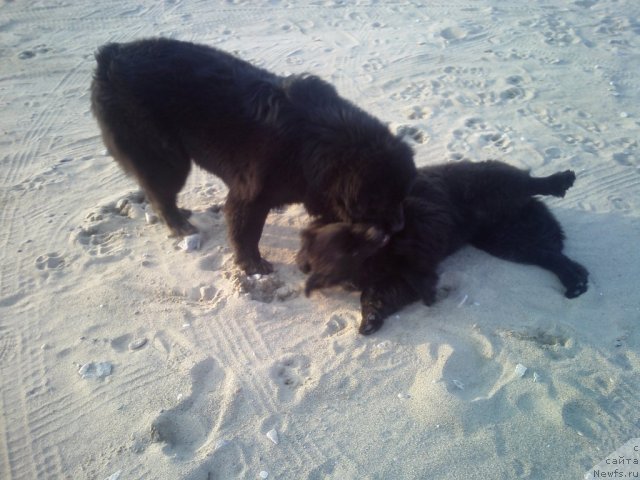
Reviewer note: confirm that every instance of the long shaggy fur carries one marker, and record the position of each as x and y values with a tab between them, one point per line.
273	140
489	205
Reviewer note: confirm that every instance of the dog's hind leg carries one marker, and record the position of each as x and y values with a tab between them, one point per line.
162	181
573	276
533	236
164	203
161	168
491	189
515	183
556	184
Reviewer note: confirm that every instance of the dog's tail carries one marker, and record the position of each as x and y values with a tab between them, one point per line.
104	58
110	78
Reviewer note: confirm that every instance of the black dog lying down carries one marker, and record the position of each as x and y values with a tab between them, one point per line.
273	140
489	205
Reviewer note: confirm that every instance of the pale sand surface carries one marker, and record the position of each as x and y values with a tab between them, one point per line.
546	85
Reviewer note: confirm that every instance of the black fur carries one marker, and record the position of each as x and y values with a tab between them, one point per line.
273	140
489	205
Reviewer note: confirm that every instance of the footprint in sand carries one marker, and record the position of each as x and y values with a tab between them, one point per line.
475	123
597	405
552	153
103	236
498	140
464	31
98	241
514	89
483	380
557	32
511	93
187	426
628	155
415	91
581	416
412	133
337	323
50	176
555	343
31	53
619	203
476	134
626	159
617	25
290	374
418	112
373	64
264	288
50	261
50	264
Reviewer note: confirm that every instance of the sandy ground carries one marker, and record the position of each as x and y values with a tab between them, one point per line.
203	365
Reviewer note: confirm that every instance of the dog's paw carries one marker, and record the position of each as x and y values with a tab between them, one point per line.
180	227
371	323
577	290
577	280
561	182
579	283
185	212
260	266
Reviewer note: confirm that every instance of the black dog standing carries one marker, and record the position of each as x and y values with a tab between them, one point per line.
273	140
489	205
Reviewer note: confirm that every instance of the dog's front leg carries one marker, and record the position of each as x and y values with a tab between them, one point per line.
383	299
245	221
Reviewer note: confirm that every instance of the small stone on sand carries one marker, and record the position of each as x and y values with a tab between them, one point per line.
151	218
95	370
273	435
520	370
137	344
190	242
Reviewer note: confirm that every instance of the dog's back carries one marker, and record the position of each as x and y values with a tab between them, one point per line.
180	86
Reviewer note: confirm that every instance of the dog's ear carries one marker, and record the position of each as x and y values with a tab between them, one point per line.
313	283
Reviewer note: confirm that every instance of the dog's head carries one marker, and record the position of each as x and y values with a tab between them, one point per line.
359	169
335	253
374	192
